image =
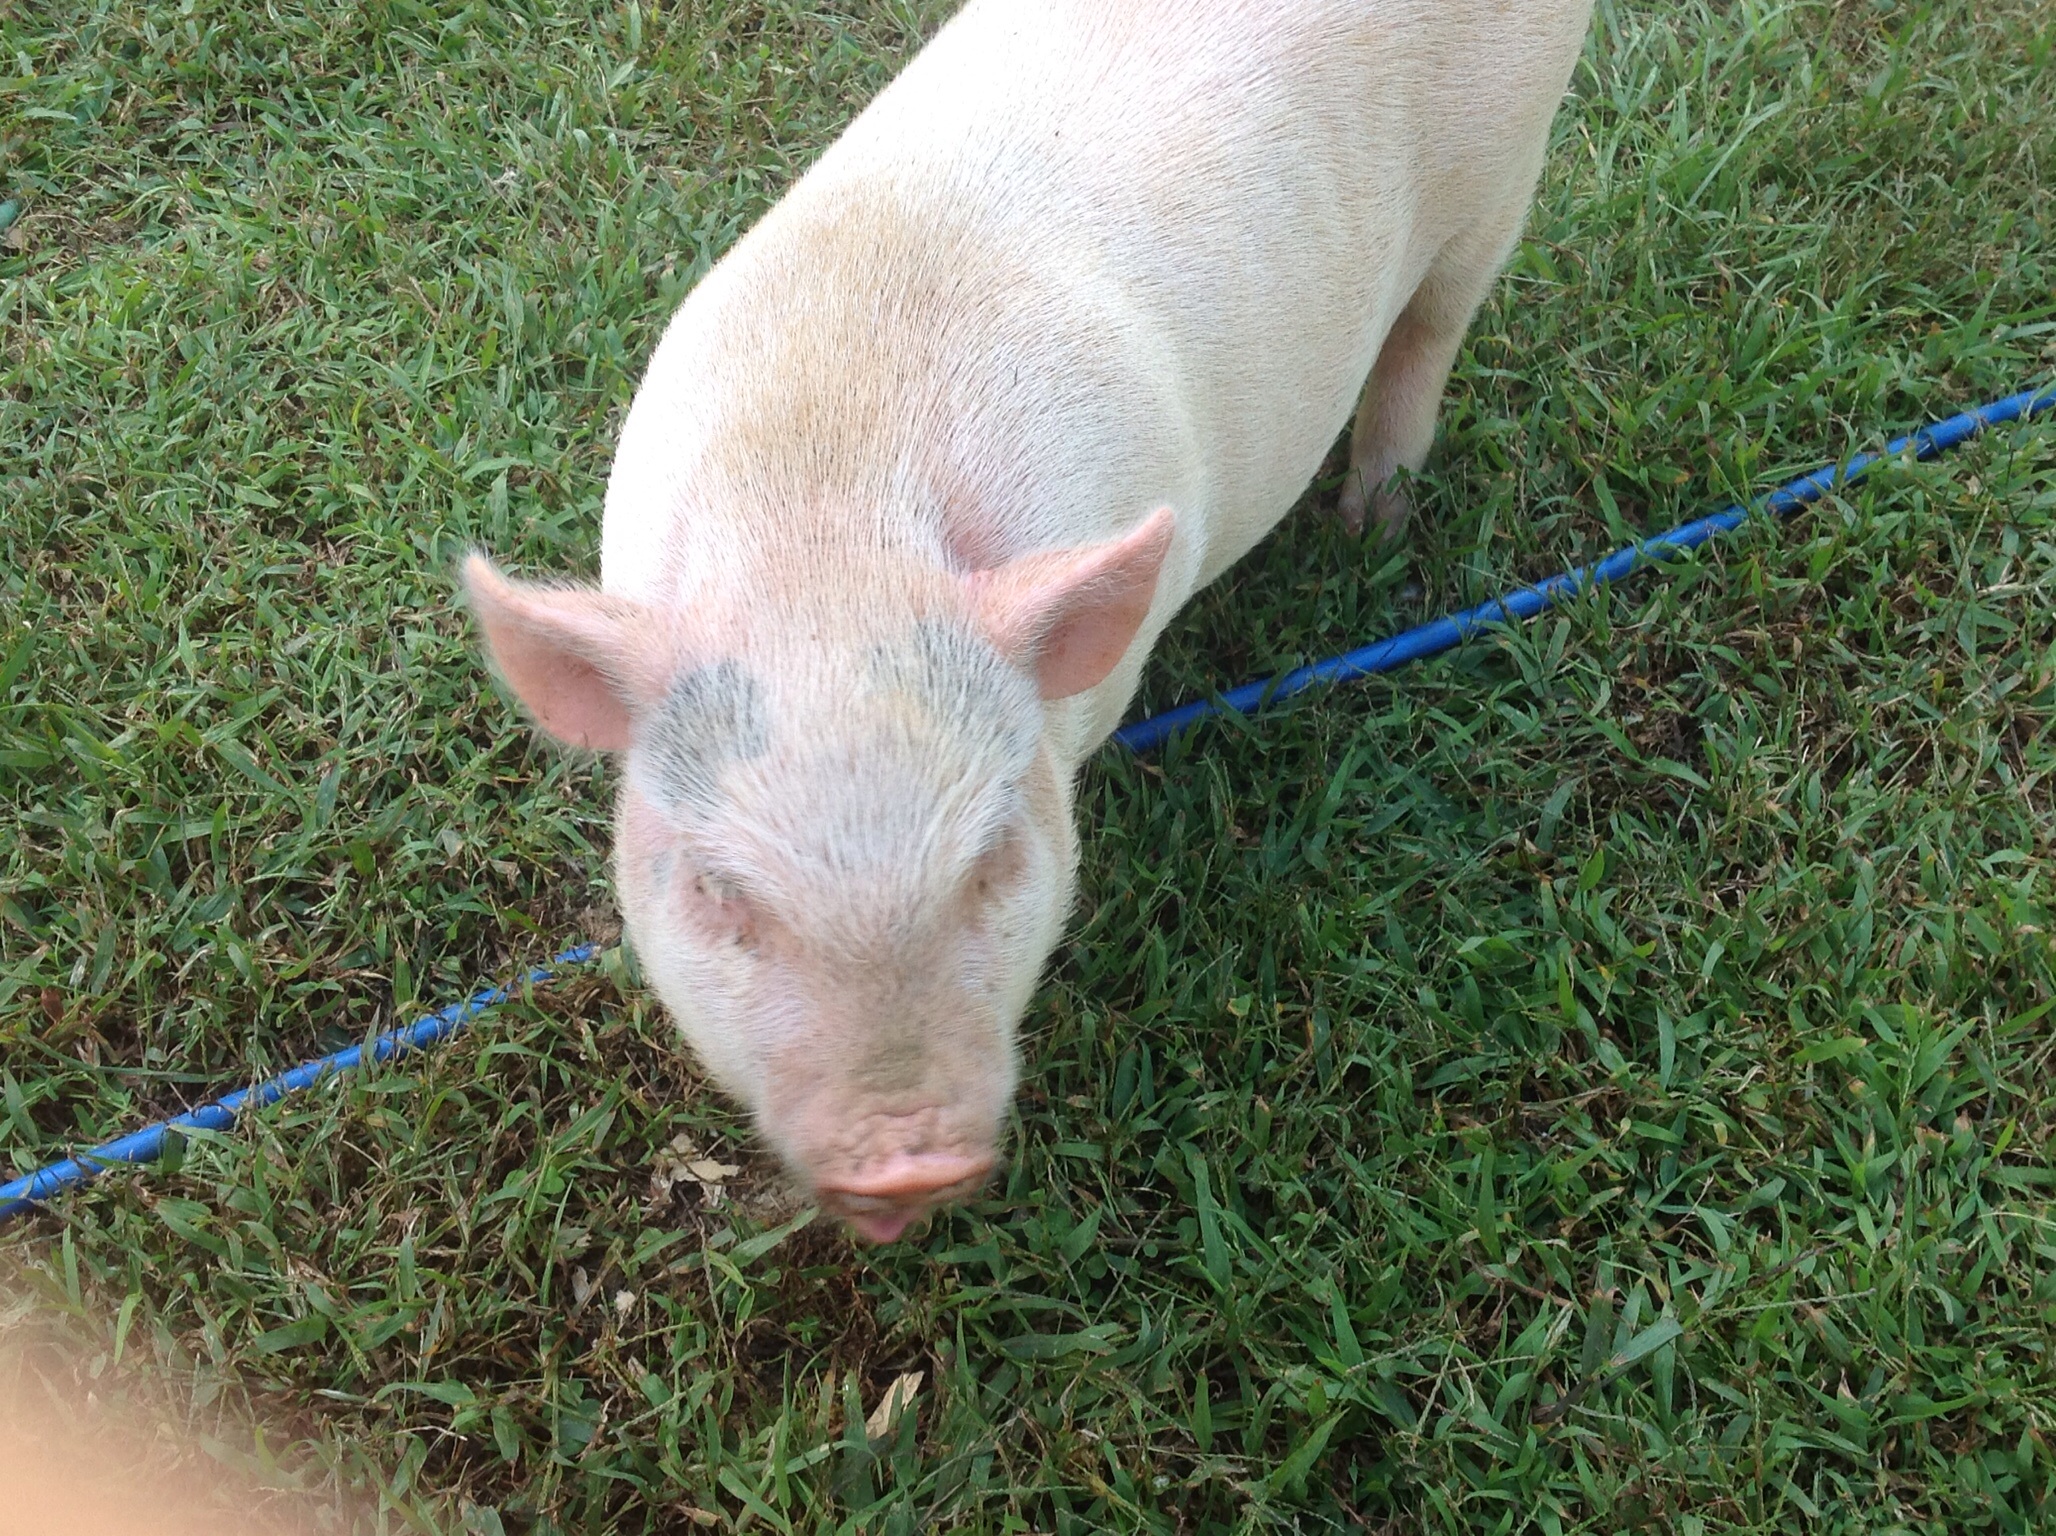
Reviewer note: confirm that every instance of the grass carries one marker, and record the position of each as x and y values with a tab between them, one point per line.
1594	1081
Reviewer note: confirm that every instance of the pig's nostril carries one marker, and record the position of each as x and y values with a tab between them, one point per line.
917	1178
881	1199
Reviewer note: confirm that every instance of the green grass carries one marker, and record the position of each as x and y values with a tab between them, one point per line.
1594	1081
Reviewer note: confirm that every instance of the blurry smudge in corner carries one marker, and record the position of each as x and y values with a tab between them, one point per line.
87	1457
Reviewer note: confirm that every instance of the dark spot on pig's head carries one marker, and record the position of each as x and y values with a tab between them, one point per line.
956	678
712	716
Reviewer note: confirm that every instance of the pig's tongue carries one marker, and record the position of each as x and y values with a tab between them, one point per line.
882	1226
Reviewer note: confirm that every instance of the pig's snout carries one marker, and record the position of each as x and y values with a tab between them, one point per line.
887	1197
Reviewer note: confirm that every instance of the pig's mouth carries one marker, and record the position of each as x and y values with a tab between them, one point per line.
885	1200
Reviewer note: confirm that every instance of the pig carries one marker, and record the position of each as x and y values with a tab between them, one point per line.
1064	322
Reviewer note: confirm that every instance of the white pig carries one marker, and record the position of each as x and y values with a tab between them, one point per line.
1061	326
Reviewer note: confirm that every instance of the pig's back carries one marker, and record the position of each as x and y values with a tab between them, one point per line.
1085	256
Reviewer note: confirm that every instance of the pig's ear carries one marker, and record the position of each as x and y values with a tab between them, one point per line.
582	662
1069	614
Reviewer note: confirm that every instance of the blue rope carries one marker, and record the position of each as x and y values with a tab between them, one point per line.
1446	633
143	1146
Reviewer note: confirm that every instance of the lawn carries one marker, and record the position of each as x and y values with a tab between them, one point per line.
1597	1080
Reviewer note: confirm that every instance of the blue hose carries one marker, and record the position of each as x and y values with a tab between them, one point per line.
142	1146
1445	633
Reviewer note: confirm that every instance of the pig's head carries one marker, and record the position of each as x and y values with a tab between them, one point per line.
844	847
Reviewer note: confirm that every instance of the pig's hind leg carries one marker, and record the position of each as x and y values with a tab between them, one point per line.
1395	421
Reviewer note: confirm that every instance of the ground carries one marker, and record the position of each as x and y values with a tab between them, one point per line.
1597	1080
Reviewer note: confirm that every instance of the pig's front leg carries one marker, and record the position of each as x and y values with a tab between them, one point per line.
1395	422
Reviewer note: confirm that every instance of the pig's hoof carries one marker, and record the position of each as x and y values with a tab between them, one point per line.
1380	514
1389	512
1351	505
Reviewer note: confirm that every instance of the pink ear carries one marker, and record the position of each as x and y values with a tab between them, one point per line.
1068	615
581	661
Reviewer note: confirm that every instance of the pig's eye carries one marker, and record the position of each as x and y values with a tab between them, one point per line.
717	907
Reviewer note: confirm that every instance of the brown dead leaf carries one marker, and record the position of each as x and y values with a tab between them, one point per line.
684	1163
899	1397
